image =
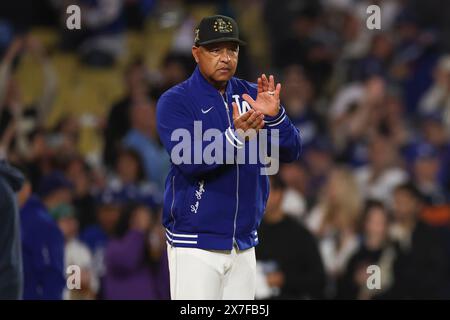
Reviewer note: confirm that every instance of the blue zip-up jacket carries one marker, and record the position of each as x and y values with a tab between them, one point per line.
11	278
43	253
215	206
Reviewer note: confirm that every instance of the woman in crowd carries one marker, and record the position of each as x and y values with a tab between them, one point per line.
376	249
136	263
334	222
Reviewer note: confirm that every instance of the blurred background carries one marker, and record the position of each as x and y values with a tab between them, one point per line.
77	116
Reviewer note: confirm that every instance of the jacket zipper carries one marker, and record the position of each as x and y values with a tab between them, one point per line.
237	180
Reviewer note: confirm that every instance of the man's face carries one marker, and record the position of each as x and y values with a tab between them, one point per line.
217	61
405	205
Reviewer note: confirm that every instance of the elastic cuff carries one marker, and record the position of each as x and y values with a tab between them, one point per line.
277	119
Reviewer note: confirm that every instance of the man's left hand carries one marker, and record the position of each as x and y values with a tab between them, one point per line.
268	97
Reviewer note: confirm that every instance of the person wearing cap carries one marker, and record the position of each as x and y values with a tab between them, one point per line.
426	165
42	249
76	253
55	189
213	209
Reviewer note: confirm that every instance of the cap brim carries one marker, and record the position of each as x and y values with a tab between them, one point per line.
240	42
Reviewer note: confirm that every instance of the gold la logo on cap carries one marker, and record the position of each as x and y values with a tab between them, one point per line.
222	26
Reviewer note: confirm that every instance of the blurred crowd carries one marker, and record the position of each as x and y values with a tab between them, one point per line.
372	186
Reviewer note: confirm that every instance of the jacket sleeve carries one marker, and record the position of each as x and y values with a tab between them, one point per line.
288	142
175	123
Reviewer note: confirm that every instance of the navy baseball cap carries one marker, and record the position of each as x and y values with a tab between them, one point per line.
109	196
218	28
53	182
425	151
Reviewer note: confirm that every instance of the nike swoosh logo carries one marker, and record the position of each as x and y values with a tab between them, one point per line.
207	110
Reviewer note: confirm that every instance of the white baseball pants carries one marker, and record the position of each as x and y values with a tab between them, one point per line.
197	274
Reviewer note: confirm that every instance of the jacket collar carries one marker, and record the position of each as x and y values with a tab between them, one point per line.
207	88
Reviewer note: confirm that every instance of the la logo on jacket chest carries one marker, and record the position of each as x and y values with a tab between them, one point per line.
242	107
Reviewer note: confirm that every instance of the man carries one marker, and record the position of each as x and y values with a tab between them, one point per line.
42	241
421	265
290	272
213	208
143	139
10	256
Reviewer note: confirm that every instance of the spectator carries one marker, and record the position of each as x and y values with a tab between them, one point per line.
42	249
130	183
136	267
378	60
307	47
376	249
144	139
175	68
437	98
289	255
433	132
39	158
101	40
76	254
65	137
12	107
295	200
352	116
79	175
334	221
426	168
97	236
297	97
319	163
420	267
55	189
383	173
118	122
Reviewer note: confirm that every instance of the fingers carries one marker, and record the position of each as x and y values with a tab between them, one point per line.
261	124
260	86
277	91
258	123
246	115
240	122
249	120
265	82
235	111
253	118
249	99
271	83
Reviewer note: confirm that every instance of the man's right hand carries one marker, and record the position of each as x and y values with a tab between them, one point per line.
250	120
